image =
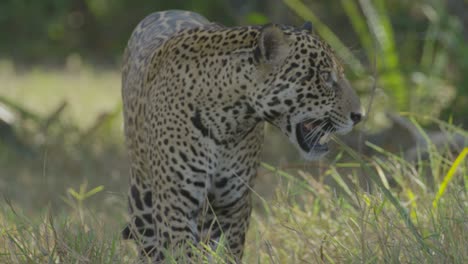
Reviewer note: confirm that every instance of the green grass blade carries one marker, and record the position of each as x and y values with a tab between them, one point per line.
448	177
388	63
287	176
94	191
339	180
359	25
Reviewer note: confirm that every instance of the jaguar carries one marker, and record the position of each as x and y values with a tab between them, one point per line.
196	95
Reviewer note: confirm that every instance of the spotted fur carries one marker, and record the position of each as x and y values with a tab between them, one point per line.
195	97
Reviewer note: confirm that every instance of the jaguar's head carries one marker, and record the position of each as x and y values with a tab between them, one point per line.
303	89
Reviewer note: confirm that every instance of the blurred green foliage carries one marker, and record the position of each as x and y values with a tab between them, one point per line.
49	30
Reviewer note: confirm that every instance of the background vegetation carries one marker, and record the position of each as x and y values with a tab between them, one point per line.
392	191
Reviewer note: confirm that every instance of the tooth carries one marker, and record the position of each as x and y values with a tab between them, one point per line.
324	139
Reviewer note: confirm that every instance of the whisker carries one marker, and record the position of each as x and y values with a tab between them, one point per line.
315	131
328	130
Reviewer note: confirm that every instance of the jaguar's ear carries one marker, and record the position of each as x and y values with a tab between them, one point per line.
307	26
272	45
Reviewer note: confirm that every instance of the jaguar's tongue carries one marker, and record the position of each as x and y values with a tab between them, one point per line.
308	126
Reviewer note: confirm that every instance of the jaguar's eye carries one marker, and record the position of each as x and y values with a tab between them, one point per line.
326	77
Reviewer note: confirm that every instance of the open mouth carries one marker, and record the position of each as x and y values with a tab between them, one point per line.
313	135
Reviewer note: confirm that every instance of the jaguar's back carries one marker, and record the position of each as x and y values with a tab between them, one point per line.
147	37
150	34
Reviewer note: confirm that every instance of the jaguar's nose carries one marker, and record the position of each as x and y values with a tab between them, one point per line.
356	117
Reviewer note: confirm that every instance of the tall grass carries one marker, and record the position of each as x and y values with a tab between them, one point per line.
346	224
69	237
326	218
